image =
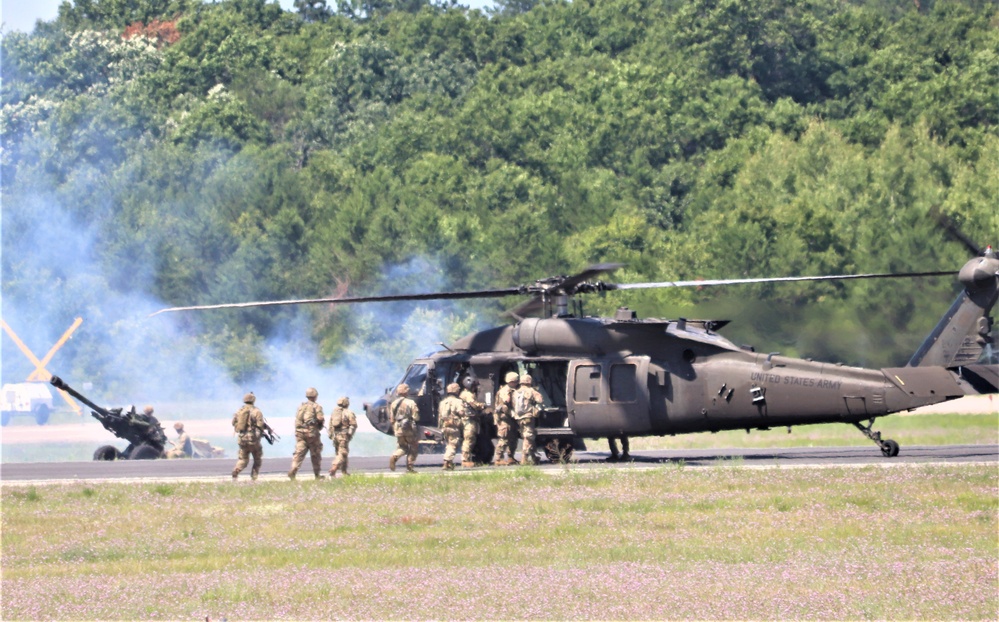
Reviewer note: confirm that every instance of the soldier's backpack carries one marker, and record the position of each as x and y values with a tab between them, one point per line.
336	417
242	419
309	414
402	420
522	405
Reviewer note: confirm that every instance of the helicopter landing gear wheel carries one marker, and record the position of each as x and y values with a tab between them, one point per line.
559	450
888	447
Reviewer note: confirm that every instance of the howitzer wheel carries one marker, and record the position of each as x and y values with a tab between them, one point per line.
145	452
5	417
41	414
107	453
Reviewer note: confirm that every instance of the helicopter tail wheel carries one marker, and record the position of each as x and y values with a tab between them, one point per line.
889	448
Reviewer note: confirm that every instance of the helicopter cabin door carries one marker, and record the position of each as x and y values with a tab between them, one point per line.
609	397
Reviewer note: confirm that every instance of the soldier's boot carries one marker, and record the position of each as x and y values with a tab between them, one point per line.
253	475
392	461
468	464
235	475
332	472
448	465
409	466
319	476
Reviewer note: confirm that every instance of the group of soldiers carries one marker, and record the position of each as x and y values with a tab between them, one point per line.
518	405
249	425
515	413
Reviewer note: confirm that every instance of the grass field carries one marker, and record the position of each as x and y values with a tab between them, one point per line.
885	542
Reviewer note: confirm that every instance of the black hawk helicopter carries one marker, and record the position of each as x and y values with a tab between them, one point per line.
626	376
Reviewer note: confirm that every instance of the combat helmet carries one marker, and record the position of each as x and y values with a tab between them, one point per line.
178	426
249	398
402	389
527	379
453	389
512	376
469	382
311	393
343	402
148	410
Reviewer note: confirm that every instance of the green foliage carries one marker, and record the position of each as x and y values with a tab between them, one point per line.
267	154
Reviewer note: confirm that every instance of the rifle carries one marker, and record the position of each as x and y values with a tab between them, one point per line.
269	434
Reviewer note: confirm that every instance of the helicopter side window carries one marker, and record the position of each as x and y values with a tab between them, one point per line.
416	375
587	385
623	385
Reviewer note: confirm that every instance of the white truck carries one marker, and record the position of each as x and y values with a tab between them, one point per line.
25	398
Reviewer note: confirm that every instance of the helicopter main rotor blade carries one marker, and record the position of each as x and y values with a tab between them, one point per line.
569	285
955	232
485	293
778	279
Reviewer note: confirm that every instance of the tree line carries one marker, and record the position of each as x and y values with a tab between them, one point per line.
233	151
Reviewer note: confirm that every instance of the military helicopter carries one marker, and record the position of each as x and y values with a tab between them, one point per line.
630	376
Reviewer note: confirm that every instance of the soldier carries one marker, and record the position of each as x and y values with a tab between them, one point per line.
506	430
145	422
527	404
470	420
182	447
614	455
343	424
405	417
451	412
248	423
309	422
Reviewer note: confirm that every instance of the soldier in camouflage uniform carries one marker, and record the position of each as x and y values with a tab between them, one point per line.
470	420
248	424
309	423
182	447
405	418
450	413
528	402
506	428
343	424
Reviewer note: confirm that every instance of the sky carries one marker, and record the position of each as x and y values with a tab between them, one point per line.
22	14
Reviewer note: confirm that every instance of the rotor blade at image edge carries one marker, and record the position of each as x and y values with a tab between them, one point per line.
778	279
486	293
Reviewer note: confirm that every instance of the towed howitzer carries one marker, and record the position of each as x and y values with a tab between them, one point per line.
143	432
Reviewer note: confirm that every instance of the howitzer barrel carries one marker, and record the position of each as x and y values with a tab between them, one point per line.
58	383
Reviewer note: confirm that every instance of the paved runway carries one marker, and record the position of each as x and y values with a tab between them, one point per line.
276	468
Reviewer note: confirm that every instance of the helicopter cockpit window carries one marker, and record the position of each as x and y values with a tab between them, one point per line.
623	385
416	375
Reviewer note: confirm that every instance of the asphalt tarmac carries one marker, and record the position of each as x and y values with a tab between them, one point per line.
277	468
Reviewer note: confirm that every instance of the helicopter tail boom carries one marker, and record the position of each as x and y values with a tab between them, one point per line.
964	334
